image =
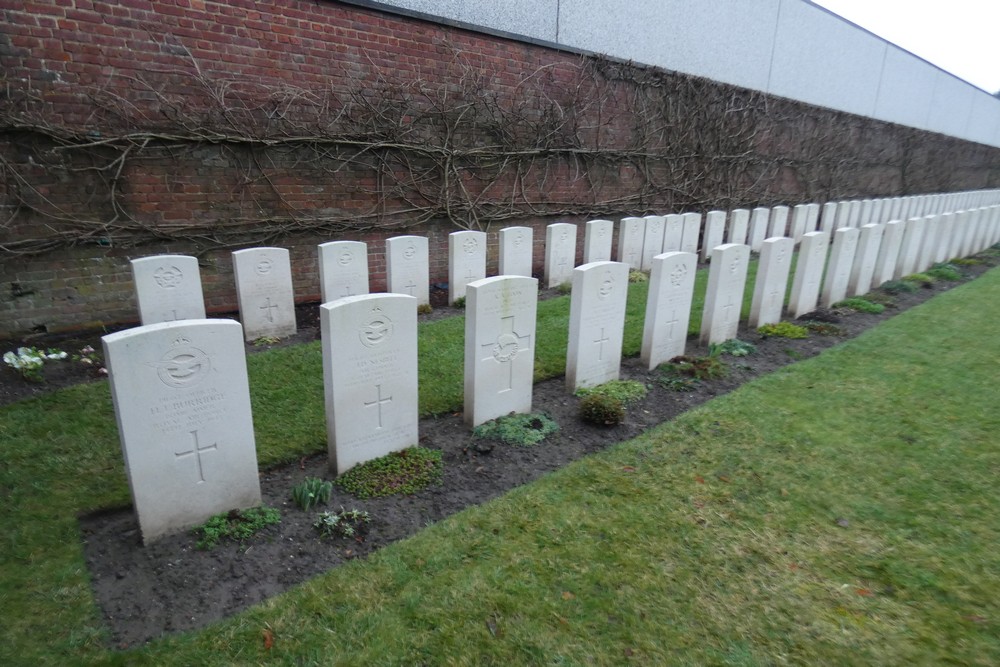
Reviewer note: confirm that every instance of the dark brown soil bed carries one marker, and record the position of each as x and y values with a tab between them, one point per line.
172	586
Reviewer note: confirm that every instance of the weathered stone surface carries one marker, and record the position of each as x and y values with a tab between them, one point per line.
724	295
168	288
343	269
466	261
560	253
407	267
631	234
808	273
772	281
597	240
838	273
596	324
668	307
264	292
652	243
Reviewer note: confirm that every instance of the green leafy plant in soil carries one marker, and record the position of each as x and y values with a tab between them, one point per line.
947	271
883	298
458	303
311	491
351	523
898	287
860	305
699	368
734	347
564	288
638	277
404	472
966	261
602	410
425	309
677	382
519	429
235	525
783	330
626	391
921	279
824	328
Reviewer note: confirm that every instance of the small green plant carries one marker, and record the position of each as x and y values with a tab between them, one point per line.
345	523
882	298
403	472
700	368
921	279
266	340
28	361
734	347
310	492
966	261
638	277
626	391
678	382
898	287
236	525
459	303
945	271
425	309
522	430
860	305
783	330
564	288
824	328
794	354
602	410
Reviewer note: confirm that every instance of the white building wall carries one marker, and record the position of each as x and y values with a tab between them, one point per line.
790	48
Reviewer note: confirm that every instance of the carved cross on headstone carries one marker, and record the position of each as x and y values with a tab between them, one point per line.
378	402
348	290
601	341
671	322
507	346
268	309
196	452
411	287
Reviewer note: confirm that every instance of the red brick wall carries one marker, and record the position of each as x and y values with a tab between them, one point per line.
77	71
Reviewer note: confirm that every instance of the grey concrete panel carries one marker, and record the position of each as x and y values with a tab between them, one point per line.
906	89
950	106
536	19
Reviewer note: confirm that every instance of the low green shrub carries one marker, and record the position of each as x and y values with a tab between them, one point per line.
677	382
734	347
921	279
700	368
638	277
522	430
403	472
310	492
966	261
602	410
882	298
783	330
945	271
860	305
564	288
626	391
459	302
425	309
898	287
236	525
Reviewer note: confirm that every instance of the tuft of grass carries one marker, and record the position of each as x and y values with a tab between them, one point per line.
235	525
425	309
564	288
881	298
966	261
404	472
602	410
638	277
519	429
860	305
459	303
946	271
921	279
677	382
783	330
699	368
898	287
625	391
734	347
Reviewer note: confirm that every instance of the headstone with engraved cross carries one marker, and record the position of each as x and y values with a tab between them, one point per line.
772	281
715	230
692	232
808	273
888	252
652	242
673	232
596	324
597	238
560	253
631	233
182	403
863	270
499	347
168	288
777	225
516	246
724	296
668	307
759	220
407	267
466	261
838	272
739	220
343	269
264	292
370	377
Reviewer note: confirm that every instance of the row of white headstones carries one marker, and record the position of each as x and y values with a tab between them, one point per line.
181	391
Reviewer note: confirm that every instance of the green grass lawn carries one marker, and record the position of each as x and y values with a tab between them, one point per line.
840	511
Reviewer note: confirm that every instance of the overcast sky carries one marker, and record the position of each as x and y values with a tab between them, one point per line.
960	36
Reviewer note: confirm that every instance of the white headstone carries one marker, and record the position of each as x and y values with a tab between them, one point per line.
652	242
838	273
888	252
560	253
808	273
739	221
812	219
932	239
343	269
182	403
777	226
168	288
715	229
866	212
499	347
727	277
910	250
692	232
370	377
945	229
854	214
516	246
407	267
800	218
828	222
843	215
673	232
631	233
264	292
759	219
597	239
865	259
772	281
596	324
668	307
466	261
